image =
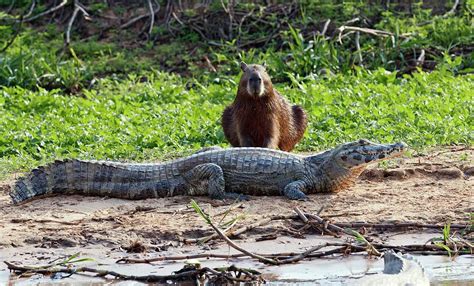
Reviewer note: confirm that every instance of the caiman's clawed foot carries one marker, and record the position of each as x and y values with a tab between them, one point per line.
294	191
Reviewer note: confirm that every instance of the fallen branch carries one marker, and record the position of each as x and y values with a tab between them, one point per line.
241	230
370	248
236	247
291	257
280	258
23	220
185	275
340	226
399	225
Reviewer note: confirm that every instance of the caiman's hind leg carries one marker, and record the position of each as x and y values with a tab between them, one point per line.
209	178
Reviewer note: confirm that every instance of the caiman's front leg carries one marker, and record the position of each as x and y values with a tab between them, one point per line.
295	190
211	177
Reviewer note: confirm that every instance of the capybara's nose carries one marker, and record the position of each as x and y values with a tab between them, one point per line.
255	79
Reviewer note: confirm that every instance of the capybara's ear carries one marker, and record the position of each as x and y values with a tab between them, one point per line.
264	65
243	66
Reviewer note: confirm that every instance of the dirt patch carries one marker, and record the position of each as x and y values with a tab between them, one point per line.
433	188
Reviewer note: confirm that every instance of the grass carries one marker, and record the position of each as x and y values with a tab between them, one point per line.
101	100
142	121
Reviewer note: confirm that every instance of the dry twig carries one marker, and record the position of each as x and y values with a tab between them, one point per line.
373	32
327	225
77	7
241	230
51	10
190	274
453	9
152	18
291	257
235	246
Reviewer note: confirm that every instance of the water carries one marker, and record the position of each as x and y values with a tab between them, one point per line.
329	271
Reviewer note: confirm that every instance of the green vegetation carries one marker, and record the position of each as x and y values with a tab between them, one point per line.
117	100
128	119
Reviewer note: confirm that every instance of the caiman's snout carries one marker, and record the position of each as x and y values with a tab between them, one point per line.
365	152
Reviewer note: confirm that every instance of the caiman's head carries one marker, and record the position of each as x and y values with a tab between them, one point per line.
362	152
254	80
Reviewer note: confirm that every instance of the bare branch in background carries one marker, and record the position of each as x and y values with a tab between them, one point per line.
421	59
77	7
32	7
357	43
55	8
10	7
152	18
325	28
453	9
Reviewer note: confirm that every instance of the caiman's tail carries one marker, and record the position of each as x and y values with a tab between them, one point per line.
91	178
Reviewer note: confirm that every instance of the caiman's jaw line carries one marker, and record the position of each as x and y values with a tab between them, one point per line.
362	152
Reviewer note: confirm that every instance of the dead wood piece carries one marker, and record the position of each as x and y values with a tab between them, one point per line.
23	220
174	258
241	230
236	247
270	236
292	257
189	273
78	7
370	248
399	225
301	215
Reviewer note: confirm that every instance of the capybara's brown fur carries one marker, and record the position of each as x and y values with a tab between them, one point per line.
260	116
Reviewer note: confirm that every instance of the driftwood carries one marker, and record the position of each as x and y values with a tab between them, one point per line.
313	252
189	273
239	231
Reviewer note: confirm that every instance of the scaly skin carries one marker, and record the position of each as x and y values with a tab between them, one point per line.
219	173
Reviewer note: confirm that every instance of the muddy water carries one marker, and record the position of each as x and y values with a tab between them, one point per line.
330	271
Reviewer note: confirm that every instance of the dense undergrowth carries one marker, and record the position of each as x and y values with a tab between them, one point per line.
159	99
